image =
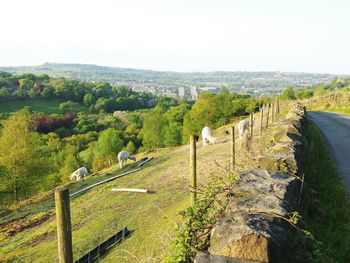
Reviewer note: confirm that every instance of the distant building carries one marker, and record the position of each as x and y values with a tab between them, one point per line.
194	93
181	93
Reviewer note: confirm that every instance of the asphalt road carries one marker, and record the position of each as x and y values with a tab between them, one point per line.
336	129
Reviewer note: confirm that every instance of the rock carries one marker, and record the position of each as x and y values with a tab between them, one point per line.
207	258
268	163
256	238
281	149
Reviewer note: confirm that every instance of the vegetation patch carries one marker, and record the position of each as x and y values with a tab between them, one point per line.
199	219
325	208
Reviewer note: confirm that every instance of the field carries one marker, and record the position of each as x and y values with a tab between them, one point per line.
28	232
47	106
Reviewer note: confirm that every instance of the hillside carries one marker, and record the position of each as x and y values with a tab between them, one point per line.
167	83
30	230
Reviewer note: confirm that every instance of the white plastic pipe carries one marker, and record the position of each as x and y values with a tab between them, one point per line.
130	190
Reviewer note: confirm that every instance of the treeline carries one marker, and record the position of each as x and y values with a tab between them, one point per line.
164	127
98	97
316	90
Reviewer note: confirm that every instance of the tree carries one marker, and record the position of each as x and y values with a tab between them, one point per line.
4	93
108	145
177	113
130	147
89	99
289	94
70	164
206	112
173	135
69	106
21	157
153	128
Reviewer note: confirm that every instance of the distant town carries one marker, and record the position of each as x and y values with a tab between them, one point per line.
179	84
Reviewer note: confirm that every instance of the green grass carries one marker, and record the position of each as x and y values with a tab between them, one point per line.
344	110
325	208
99	213
47	106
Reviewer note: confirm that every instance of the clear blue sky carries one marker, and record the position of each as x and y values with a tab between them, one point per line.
180	35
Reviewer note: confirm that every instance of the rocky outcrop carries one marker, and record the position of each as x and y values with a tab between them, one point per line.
253	228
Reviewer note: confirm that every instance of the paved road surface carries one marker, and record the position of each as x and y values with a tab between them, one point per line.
336	129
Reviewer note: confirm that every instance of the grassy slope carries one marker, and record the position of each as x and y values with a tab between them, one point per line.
344	110
325	208
99	213
48	106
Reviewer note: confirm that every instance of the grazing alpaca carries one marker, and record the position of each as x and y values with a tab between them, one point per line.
123	156
79	174
243	126
207	136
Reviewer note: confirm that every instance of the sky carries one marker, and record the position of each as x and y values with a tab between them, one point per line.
179	35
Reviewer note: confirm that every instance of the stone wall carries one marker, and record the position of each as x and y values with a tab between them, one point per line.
252	228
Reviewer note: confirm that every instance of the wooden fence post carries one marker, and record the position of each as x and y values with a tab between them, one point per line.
251	125
277	105
267	114
64	232
233	152
272	112
261	119
193	170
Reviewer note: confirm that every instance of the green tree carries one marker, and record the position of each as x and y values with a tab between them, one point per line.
130	147
289	94
89	99
21	156
206	111
4	93
153	128
69	106
108	145
177	113
173	135
70	164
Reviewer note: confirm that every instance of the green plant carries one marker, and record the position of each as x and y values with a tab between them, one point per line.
282	167
193	235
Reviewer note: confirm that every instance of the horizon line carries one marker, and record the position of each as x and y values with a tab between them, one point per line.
175	71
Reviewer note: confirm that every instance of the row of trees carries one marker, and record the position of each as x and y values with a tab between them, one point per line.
316	90
172	127
96	96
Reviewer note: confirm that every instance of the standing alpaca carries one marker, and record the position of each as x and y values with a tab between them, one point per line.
79	174
123	156
243	127
207	136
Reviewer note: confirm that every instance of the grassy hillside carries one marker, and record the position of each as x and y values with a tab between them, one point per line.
48	106
28	233
338	101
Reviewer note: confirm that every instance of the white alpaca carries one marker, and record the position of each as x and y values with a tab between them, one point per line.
123	156
79	174
243	126
207	136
